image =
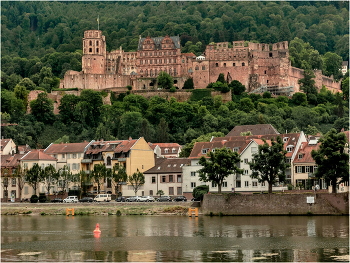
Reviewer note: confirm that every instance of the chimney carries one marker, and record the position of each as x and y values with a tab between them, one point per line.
101	140
61	142
130	138
85	141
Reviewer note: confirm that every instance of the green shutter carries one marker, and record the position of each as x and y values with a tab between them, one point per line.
296	169
303	169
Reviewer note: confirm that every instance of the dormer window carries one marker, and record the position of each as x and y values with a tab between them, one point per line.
236	149
213	150
174	150
285	139
166	150
300	156
290	148
205	151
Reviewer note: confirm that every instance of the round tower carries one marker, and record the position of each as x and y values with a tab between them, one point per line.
94	52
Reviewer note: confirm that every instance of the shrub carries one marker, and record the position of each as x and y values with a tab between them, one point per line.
290	187
34	199
172	89
200	191
43	213
309	213
129	87
118	213
211	214
221	214
42	198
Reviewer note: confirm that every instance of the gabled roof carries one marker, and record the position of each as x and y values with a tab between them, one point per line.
199	146
4	142
24	148
66	148
171	165
158	41
189	54
169	146
9	161
37	155
110	146
305	149
258	129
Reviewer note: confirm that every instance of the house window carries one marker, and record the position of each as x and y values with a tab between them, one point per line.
213	150
26	190
109	161
285	139
13	181
238	184
263	184
173	150
68	156
166	150
179	191
289	149
307	169
204	151
254	149
151	192
315	168
193	184
163	179
300	156
288	160
224	184
171	178
153	179
63	156
193	173
179	178
213	184
245	160
246	183
235	149
245	172
171	190
299	169
43	166
255	184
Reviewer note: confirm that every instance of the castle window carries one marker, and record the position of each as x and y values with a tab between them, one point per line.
96	43
155	61
265	71
160	61
224	64
267	81
170	71
216	64
96	50
175	81
146	54
155	53
174	53
150	54
196	68
203	67
150	61
90	43
90	49
155	72
169	60
174	60
141	62
270	55
243	64
183	61
234	64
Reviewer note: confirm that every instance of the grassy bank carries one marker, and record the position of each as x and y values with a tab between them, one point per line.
97	209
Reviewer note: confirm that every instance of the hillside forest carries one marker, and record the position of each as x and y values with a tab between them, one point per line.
42	40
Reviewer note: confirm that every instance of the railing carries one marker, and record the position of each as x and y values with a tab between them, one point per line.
86	161
87	171
121	159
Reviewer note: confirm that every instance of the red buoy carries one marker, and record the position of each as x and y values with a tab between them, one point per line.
97	229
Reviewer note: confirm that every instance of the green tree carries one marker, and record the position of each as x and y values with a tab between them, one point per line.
33	177
307	84
42	108
99	174
119	176
270	163
49	177
246	105
22	94
284	34
163	131
84	181
220	165
221	78
304	116
136	180
299	99
189	84
165	81
345	88
160	193
311	130
332	159
332	63
237	87
20	174
65	177
200	191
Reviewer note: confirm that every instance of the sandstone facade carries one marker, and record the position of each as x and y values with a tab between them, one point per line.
259	67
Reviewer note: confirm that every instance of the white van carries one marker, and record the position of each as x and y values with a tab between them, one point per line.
71	199
103	198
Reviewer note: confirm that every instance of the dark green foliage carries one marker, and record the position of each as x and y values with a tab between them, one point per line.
237	87
332	158
165	81
266	95
269	163
188	84
42	108
220	164
200	191
42	198
199	94
34	199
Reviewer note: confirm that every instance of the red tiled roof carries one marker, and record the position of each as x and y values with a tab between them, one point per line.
199	146
110	146
171	165
38	155
8	161
189	54
66	148
168	146
257	129
305	149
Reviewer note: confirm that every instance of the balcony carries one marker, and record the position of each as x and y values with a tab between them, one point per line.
86	161
87	171
121	159
311	175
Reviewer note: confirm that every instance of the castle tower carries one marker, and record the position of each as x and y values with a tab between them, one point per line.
94	52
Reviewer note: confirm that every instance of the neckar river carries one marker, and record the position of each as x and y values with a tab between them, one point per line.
175	238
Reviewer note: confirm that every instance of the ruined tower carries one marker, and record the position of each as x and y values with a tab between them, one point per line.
94	52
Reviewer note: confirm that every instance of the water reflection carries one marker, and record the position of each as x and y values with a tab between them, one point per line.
174	238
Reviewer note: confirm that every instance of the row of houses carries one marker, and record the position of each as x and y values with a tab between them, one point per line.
161	165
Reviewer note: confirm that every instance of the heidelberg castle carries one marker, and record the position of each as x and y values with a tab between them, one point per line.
255	66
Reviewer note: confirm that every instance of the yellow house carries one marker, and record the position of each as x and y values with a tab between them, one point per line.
133	154
7	146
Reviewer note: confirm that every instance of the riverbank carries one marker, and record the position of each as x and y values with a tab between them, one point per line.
110	208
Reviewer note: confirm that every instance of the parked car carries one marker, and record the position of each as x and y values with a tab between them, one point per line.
146	199
103	198
57	200
164	199
131	199
120	199
71	199
180	199
86	199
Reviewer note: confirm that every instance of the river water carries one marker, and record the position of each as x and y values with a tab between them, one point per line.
175	238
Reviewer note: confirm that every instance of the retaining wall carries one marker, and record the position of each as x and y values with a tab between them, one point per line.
276	204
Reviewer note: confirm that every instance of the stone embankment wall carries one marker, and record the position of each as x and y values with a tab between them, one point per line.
276	204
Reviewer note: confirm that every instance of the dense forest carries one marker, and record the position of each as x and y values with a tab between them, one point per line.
40	41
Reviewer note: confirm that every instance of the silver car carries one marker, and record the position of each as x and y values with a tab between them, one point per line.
146	199
71	199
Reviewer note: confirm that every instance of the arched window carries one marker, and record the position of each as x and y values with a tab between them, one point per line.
170	71
196	68
151	72
90	43
243	64
96	43
109	162
155	73
146	72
